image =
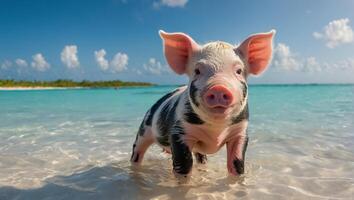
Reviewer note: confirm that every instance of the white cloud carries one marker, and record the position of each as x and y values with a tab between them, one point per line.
284	58
346	64
101	60
6	64
311	65
137	71
154	67
69	56
170	3
336	32
21	63
39	63
119	62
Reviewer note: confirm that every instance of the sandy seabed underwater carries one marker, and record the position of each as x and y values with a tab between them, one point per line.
76	144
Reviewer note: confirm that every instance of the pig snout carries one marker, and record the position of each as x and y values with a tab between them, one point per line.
218	96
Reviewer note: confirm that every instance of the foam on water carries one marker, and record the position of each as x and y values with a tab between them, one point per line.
75	144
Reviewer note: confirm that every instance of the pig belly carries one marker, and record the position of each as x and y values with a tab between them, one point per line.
201	142
204	148
209	141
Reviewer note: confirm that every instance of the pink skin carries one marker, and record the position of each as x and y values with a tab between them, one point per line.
208	139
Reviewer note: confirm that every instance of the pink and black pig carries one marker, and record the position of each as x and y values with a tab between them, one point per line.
212	110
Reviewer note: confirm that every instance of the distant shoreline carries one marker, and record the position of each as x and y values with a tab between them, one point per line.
67	84
60	88
12	85
36	88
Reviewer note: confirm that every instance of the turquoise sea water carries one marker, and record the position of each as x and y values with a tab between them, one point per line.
75	144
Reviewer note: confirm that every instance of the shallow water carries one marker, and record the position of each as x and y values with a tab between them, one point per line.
75	144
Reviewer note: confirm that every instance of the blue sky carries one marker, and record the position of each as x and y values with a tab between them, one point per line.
117	39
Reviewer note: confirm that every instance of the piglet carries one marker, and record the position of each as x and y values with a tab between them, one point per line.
210	111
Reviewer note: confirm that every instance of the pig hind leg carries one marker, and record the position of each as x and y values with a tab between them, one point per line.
200	158
143	140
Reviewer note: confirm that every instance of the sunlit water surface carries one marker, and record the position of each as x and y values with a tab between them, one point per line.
76	144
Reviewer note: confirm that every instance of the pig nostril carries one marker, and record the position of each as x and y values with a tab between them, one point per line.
225	97
212	96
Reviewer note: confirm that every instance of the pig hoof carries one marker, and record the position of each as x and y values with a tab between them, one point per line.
182	178
135	159
201	159
239	166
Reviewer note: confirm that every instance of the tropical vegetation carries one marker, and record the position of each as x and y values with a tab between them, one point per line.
71	83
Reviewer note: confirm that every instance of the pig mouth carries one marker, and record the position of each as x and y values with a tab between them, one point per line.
218	110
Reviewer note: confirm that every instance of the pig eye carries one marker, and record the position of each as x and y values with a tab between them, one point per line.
239	71
197	71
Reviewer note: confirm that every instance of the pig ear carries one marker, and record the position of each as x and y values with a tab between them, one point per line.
178	47
257	50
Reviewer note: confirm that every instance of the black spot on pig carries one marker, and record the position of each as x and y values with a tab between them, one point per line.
181	155
190	116
165	122
193	93
177	128
141	130
244	89
245	144
153	109
243	115
134	145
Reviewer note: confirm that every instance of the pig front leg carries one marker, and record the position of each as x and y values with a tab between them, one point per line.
181	154
236	149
